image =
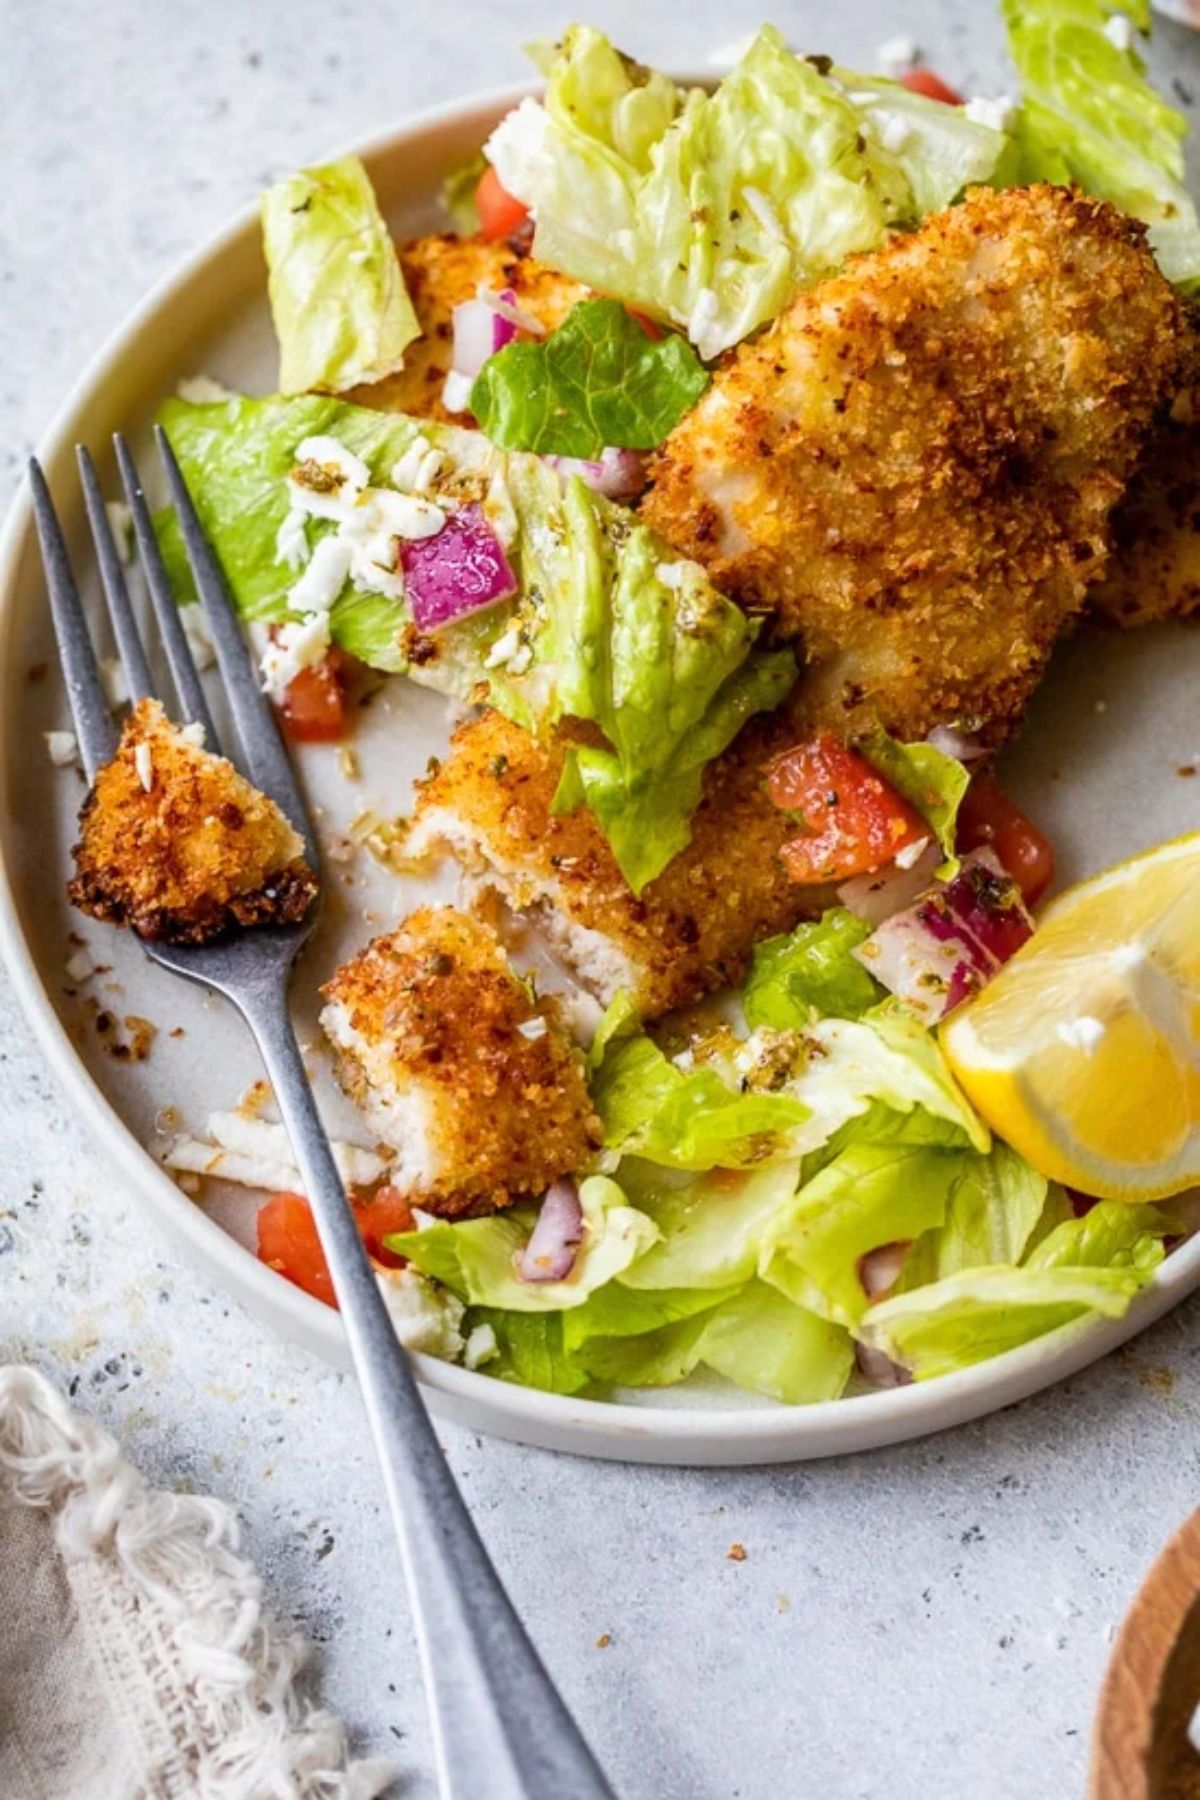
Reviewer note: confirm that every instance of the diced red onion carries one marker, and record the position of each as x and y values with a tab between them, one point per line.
554	1244
479	331
879	1368
879	1270
949	943
617	474
459	571
504	305
876	897
961	745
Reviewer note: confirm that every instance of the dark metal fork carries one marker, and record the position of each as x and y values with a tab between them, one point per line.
500	1728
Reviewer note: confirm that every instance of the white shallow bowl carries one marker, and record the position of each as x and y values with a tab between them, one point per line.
1097	763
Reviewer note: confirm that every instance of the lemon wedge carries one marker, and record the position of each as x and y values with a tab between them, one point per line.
1084	1051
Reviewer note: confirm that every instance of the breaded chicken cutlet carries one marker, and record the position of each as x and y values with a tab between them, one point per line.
440	272
691	930
476	1086
913	469
1154	570
179	845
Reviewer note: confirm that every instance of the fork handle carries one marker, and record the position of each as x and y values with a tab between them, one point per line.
500	1727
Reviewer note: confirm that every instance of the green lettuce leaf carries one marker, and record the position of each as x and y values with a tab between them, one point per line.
711	1227
996	1205
707	210
1095	1264
810	973
475	1257
756	1338
1089	115
529	1350
457	194
341	309
687	1119
931	781
871	1195
599	380
619	1311
613	628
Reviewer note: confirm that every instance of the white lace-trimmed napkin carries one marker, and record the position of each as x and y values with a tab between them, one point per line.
137	1661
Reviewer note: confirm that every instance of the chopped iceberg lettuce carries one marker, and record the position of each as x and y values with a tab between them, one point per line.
809	974
608	625
711	1226
1089	115
1095	1264
341	309
995	1207
710	210
600	380
929	780
475	1258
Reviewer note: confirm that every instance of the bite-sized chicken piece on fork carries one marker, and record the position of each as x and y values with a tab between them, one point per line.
913	470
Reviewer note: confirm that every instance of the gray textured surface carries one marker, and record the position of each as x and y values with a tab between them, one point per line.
922	1622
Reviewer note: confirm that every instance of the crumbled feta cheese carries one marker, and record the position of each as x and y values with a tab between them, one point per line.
120	523
195	630
324	578
291	540
343	476
912	853
894	134
299	644
456	392
427	1319
1119	31
521	659
998	112
1082	1034
62	747
672	575
416	471
481	1346
371	530
504	648
203	390
143	762
193	733
897	56
114	681
532	1029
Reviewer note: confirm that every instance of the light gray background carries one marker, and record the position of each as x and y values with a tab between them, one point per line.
923	1622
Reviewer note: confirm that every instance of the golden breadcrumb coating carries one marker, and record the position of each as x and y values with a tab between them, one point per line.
691	930
1154	570
477	1087
913	468
179	845
441	271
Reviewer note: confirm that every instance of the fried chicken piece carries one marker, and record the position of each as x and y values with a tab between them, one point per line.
476	1087
690	931
178	844
1154	570
440	272
913	468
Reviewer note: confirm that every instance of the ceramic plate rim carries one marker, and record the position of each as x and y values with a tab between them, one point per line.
647	1433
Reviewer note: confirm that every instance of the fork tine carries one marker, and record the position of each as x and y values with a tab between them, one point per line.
265	757
129	643
85	691
166	612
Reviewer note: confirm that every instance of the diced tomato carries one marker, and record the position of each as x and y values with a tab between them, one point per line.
314	703
988	816
648	325
856	820
288	1240
500	213
924	81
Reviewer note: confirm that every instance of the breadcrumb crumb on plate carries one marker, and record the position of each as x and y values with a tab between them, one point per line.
179	845
430	1023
